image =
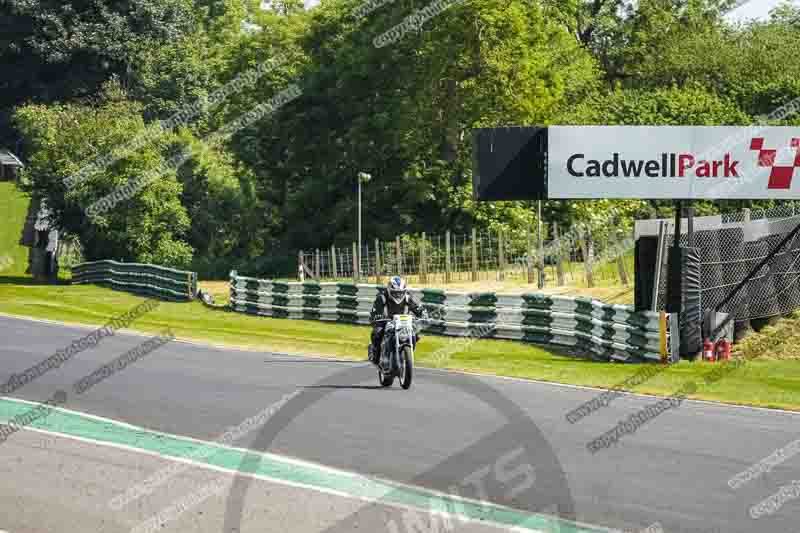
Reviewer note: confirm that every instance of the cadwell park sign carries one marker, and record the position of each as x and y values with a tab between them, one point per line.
679	163
647	162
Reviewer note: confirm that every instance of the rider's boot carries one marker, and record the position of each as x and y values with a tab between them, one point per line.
371	351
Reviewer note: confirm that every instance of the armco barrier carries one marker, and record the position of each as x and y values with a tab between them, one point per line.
607	332
149	280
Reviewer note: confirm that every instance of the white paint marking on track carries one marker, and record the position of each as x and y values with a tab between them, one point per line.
314	488
205	443
390	484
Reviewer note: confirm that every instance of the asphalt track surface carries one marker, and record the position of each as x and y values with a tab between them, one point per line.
673	471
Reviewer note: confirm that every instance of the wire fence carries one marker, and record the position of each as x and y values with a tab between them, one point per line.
730	248
495	256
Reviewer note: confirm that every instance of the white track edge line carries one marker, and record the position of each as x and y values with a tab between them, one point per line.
269	455
262	477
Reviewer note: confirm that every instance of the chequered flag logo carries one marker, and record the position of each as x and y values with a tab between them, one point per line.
780	177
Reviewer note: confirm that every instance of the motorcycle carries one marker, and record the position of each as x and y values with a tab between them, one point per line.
397	351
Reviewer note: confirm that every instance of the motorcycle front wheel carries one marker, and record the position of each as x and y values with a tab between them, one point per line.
406	367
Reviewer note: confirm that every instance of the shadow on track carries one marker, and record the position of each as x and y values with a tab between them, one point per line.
317	361
346	387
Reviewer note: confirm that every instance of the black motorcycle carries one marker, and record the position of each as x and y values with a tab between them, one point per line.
397	351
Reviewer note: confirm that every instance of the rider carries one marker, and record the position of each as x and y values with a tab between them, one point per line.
393	300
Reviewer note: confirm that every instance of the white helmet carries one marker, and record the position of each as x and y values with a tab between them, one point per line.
396	288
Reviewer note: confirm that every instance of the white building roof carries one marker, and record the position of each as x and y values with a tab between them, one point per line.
8	159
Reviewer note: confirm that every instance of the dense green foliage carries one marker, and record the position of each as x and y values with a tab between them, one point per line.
53	50
84	79
148	227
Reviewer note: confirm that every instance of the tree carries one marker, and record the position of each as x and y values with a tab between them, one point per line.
688	43
221	204
147	228
403	112
58	50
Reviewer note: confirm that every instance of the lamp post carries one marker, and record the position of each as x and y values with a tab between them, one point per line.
541	249
363	177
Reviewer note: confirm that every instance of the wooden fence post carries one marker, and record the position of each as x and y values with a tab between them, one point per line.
377	262
559	255
474	254
301	274
623	274
501	256
399	255
316	264
355	263
447	256
423	260
335	273
620	251
587	247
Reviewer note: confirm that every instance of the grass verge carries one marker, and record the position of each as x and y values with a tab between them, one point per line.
14	207
763	382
